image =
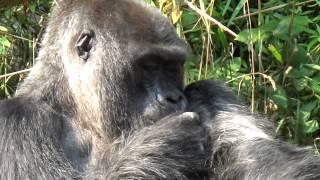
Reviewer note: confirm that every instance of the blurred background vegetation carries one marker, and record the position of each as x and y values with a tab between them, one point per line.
268	52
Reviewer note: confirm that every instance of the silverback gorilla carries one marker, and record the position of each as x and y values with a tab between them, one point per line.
95	104
242	144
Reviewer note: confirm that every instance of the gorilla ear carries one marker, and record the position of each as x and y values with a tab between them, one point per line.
84	44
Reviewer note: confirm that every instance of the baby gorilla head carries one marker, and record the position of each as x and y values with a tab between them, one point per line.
206	97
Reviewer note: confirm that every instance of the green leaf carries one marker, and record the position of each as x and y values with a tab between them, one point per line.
299	24
236	64
270	26
32	7
305	111
247	36
313	66
188	19
236	11
297	56
311	126
2	50
280	98
315	86
276	54
222	37
312	43
226	7
4	42
300	84
303	115
296	73
3	29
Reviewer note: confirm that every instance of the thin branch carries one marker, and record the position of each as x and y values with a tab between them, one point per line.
15	36
205	15
14	73
269	78
273	8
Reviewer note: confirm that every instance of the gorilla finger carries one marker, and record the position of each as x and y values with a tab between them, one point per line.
189	117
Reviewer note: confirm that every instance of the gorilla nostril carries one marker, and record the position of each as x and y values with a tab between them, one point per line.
174	100
171	100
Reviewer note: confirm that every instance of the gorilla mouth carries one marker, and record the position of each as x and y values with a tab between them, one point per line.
156	111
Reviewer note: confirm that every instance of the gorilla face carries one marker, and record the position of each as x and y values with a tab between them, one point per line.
141	63
160	82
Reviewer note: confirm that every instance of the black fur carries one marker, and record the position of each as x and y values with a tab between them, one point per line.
95	104
242	143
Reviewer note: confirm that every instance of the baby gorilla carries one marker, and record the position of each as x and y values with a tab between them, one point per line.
242	144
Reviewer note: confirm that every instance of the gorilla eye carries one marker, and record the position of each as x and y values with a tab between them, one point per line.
84	44
174	67
150	62
150	66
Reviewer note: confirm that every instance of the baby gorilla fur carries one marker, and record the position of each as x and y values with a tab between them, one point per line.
242	144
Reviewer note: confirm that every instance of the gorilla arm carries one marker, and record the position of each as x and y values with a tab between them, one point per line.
169	149
30	136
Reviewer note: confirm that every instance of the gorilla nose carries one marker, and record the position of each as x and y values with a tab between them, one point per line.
174	99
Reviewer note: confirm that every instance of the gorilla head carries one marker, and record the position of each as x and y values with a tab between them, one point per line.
120	62
107	73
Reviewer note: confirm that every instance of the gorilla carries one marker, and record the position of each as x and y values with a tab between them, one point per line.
242	144
103	101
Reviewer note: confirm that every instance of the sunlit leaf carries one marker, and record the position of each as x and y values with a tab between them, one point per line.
276	54
3	29
247	36
175	16
311	126
313	66
4	42
315	86
305	111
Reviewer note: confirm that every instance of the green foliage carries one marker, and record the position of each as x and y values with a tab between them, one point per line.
273	63
20	30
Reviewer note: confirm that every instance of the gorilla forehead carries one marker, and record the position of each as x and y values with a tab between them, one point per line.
132	20
128	25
